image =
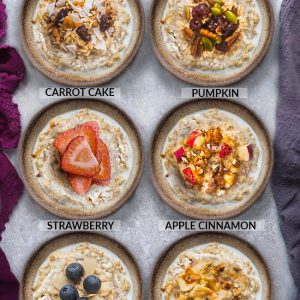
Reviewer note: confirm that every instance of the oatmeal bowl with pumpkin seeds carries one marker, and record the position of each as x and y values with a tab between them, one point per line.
85	41
212	42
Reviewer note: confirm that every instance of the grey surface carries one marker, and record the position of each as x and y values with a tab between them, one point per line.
149	91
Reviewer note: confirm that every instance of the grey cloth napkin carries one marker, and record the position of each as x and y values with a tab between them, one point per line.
286	174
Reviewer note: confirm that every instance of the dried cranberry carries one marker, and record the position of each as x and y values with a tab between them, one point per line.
201	11
105	23
222	47
230	30
195	24
61	15
210	25
225	150
83	33
222	23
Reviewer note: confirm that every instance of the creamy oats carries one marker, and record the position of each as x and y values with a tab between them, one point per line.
82	35
211	34
51	276
213	272
55	182
211	157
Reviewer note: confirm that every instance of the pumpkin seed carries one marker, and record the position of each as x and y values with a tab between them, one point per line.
216	11
187	13
207	43
231	17
218	5
219	39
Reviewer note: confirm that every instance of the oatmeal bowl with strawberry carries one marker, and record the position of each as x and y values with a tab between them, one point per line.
211	42
82	42
84	162
211	159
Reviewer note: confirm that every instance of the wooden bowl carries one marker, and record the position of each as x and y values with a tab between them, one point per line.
218	211
49	202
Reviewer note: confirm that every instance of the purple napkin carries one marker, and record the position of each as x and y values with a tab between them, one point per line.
10	126
12	71
3	18
286	175
12	68
9	287
11	188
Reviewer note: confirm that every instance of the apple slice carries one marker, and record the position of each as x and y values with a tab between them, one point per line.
199	141
245	153
179	154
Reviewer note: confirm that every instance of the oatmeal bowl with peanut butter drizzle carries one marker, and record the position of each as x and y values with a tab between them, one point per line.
211	266
81	266
211	159
82	42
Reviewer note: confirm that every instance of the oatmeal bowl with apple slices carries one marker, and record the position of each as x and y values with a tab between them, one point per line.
213	267
81	158
81	266
211	159
211	42
82	42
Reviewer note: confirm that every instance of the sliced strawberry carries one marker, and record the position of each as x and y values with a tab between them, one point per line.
89	129
103	176
80	184
79	159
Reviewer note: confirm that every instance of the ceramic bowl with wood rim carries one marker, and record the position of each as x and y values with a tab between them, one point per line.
82	42
211	42
211	266
95	266
211	158
81	158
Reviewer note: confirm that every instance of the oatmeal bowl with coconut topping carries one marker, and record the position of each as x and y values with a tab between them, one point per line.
83	162
211	159
82	42
211	42
213	267
81	266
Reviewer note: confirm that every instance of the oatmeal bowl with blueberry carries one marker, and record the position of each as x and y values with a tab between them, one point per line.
81	266
81	42
211	42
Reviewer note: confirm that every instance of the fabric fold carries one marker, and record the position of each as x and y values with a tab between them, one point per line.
11	189
10	123
9	287
12	69
286	173
3	19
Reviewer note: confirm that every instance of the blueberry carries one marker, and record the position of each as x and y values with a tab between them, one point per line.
68	292
74	272
92	284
